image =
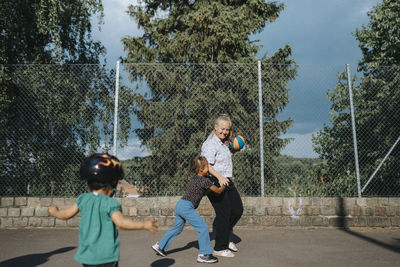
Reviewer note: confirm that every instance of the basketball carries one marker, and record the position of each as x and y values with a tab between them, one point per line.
237	143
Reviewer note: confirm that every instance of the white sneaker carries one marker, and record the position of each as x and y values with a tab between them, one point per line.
159	251
224	253
208	258
232	247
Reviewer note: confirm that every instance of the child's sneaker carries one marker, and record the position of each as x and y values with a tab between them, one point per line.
206	258
224	253
233	247
157	249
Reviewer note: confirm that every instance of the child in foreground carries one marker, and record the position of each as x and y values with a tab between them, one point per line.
100	213
198	186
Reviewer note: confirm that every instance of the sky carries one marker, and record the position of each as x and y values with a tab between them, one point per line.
320	34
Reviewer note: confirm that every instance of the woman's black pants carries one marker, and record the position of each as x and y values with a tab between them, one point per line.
228	208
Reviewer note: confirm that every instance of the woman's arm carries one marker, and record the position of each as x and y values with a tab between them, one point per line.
217	189
65	214
221	179
124	223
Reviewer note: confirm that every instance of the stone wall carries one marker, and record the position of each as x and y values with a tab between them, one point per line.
258	212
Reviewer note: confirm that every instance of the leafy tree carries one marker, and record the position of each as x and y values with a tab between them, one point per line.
376	101
53	111
188	94
48	31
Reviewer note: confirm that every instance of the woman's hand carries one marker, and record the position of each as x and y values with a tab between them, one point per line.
222	180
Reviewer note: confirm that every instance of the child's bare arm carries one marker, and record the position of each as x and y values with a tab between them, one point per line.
124	223
64	214
217	189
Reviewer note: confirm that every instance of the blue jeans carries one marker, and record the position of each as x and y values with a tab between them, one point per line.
185	211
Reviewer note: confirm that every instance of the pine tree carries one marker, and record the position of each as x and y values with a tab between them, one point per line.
212	70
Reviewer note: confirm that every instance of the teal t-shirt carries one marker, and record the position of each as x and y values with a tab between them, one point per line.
98	235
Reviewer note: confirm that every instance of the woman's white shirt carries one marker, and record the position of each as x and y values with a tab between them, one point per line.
218	155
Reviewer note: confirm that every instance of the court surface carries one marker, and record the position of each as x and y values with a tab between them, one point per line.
268	247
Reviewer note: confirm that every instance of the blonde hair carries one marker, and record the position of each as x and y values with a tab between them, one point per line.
198	163
223	118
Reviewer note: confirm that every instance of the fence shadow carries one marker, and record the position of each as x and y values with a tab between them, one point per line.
343	225
32	260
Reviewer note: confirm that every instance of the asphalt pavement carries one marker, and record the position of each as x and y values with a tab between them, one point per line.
263	247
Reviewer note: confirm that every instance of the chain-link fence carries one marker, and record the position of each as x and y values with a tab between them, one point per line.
53	116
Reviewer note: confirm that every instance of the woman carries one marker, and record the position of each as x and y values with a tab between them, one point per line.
228	206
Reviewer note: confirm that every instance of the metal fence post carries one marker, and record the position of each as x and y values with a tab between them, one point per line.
380	164
116	109
261	128
353	124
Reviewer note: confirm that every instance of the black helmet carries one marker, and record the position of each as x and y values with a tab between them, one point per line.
101	169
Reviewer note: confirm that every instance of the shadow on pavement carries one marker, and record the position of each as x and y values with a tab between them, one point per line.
33	259
163	263
342	224
193	244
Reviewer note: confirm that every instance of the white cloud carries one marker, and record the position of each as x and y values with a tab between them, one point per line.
300	147
115	14
117	24
122	3
133	149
